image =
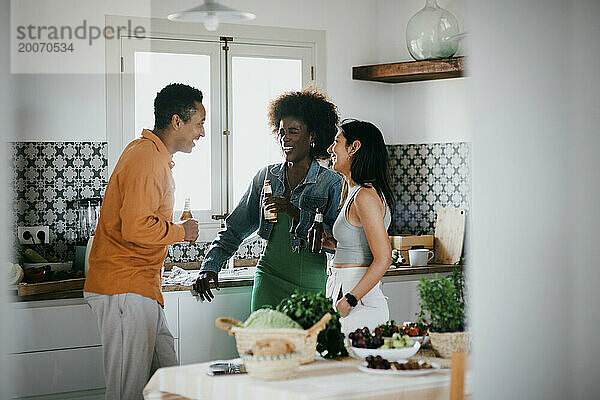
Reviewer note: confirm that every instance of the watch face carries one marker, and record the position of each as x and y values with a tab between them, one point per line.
351	299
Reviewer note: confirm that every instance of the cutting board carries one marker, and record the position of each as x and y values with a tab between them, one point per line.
449	235
26	289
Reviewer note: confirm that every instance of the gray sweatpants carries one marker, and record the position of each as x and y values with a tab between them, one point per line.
136	341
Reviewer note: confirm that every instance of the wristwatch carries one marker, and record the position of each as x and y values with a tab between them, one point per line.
351	299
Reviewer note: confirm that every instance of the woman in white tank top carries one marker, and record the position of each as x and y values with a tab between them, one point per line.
360	238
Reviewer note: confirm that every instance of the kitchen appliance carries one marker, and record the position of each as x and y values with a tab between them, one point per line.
88	212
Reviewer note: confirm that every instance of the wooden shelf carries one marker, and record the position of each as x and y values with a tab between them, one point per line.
411	71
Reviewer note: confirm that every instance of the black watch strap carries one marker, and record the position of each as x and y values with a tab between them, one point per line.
351	299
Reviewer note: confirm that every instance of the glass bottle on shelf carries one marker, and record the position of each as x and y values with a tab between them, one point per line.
315	233
270	216
432	33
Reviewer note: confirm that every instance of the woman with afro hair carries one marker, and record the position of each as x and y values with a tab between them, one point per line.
305	124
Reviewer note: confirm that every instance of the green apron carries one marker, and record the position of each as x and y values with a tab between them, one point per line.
281	270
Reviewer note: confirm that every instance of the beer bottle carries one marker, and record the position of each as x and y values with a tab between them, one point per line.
315	233
270	216
187	211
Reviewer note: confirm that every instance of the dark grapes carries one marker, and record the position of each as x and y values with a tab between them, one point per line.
365	339
377	362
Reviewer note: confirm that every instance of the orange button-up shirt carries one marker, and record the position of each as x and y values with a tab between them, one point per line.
136	222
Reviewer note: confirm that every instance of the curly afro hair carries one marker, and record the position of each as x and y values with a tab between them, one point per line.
318	113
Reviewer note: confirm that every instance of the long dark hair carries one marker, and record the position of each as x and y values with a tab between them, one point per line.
369	165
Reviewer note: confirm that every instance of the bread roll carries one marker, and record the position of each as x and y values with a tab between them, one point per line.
272	347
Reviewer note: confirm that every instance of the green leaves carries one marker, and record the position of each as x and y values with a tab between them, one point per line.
443	300
307	309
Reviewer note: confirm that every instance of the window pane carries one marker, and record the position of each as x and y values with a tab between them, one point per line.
256	81
153	71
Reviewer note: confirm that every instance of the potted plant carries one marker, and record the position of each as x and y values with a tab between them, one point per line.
442	303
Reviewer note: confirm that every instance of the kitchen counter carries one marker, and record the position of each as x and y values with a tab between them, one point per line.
241	280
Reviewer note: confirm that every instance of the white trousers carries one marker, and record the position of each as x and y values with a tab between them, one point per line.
371	310
136	341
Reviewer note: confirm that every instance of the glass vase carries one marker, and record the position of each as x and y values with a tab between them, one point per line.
431	33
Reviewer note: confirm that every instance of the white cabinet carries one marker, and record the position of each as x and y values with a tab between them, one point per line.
403	300
403	296
172	315
58	347
56	371
199	339
172	312
50	325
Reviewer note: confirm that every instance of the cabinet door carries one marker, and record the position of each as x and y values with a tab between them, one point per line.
172	312
57	371
44	326
199	339
403	300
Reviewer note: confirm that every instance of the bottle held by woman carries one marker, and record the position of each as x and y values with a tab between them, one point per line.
270	214
315	233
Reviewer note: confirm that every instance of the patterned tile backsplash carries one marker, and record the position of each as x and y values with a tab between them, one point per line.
425	178
48	176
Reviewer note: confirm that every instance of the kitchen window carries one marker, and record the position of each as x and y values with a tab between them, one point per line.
239	71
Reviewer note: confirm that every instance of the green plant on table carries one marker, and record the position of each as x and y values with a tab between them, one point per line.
307	309
442	302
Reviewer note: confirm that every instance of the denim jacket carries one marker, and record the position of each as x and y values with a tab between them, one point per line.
321	189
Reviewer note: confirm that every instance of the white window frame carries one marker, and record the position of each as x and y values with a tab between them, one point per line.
261	51
119	74
129	47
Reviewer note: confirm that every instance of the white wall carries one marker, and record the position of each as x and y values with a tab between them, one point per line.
71	107
55	107
423	112
535	272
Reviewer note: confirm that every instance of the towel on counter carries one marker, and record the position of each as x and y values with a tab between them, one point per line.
180	276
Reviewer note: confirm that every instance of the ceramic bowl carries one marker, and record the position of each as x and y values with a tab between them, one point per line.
388	354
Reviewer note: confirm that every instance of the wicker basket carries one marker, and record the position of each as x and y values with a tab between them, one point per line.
305	340
449	342
271	368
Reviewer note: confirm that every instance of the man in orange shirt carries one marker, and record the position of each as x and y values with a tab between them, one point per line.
123	285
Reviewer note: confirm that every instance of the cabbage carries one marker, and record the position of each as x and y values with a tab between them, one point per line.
15	273
270	319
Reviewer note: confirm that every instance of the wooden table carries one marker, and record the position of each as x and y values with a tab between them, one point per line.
322	379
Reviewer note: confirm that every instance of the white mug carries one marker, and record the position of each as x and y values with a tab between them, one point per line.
419	257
